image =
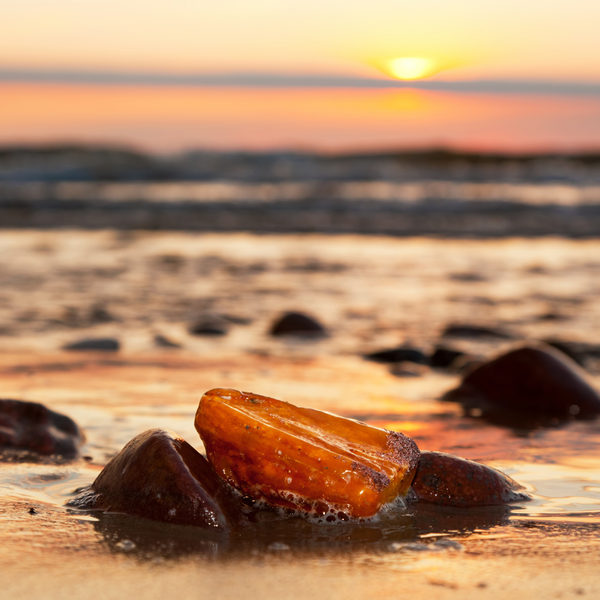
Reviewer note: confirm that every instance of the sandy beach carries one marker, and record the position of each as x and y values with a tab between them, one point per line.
299	300
370	293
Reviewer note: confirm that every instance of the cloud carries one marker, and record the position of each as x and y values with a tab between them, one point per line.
274	80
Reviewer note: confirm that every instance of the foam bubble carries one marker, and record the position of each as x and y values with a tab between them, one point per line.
321	512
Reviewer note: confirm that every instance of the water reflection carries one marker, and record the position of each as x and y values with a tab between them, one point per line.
568	489
417	528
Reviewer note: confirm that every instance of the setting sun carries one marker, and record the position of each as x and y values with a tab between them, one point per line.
411	67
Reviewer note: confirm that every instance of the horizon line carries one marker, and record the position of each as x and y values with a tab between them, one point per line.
276	80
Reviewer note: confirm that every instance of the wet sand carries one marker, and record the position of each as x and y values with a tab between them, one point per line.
370	293
558	563
549	547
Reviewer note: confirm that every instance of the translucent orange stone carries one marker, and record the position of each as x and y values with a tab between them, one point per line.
303	459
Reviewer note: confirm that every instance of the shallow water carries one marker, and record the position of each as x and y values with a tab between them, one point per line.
370	293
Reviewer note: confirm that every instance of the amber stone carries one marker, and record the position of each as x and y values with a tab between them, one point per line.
303	459
453	481
159	476
32	427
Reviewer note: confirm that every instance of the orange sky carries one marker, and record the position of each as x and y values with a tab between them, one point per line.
167	119
496	38
463	39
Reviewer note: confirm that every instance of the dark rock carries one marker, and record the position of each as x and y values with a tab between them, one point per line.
159	476
294	323
210	327
475	332
162	342
395	355
442	358
100	344
452	481
33	427
537	381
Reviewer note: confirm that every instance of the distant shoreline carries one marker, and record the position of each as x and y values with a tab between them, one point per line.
98	163
403	193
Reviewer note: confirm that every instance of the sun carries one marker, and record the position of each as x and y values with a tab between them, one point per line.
410	67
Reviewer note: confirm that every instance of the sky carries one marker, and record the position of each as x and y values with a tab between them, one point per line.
52	53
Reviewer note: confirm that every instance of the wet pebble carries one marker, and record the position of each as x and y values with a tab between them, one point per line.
529	381
33	427
476	332
295	323
396	355
453	481
100	344
209	327
159	476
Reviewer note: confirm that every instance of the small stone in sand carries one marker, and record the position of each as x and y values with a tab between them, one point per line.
213	328
476	332
529	381
91	344
396	355
453	481
33	427
294	323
